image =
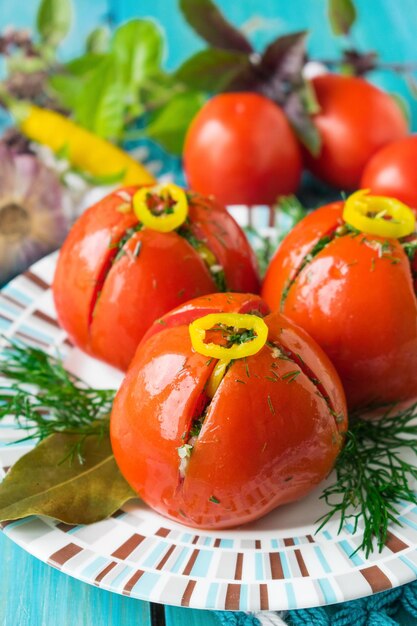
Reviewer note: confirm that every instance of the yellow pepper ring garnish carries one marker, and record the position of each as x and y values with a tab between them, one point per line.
165	221
236	321
369	214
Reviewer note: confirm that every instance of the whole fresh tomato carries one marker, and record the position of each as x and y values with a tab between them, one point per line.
392	171
353	291
116	274
355	120
217	441
241	149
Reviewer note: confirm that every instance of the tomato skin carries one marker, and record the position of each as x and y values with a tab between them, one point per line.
106	304
212	303
392	172
262	444
359	305
355	120
241	149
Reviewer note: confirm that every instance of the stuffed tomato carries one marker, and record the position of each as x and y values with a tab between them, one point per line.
226	413
137	254
347	275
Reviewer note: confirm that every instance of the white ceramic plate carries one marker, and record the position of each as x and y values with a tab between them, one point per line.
276	563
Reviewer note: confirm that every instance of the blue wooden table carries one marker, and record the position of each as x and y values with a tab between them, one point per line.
32	593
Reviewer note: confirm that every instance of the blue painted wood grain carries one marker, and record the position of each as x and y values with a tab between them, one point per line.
32	593
35	594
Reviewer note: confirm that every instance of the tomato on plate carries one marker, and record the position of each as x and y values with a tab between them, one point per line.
212	430
354	121
241	149
354	292
392	171
116	274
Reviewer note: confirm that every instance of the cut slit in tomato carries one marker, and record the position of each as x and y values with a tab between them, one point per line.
115	248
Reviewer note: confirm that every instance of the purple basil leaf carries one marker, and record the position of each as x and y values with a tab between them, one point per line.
342	16
214	70
296	109
282	62
361	63
206	19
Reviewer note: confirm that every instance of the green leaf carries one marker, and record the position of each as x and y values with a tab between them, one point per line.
98	40
137	48
54	20
49	480
67	89
169	125
206	19
342	16
213	70
102	106
296	108
25	65
85	63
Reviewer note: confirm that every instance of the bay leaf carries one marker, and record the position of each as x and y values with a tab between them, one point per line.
51	480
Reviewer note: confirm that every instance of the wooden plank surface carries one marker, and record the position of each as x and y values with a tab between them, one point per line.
34	594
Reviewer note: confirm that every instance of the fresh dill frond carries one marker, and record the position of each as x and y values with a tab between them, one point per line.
44	398
374	475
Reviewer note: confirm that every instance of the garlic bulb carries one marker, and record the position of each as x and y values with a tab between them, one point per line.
32	221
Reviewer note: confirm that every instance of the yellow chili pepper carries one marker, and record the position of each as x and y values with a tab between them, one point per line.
86	151
231	324
216	377
235	322
174	207
378	215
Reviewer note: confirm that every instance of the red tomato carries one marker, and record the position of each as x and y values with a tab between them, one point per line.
353	293
270	433
354	121
241	149
392	171
112	280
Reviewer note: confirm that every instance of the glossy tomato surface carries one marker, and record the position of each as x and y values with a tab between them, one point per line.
354	121
354	294
271	432
241	149
392	171
115	277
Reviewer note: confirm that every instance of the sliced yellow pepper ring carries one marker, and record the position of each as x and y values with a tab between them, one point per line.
231	325
174	202
378	215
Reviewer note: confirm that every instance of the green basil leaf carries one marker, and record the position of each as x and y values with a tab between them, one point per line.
102	106
169	125
84	64
49	481
54	20
342	16
98	40
137	48
206	19
213	70
67	89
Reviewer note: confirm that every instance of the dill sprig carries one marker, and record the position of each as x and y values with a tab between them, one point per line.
45	399
373	476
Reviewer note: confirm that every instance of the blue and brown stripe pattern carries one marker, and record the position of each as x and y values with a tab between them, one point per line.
272	565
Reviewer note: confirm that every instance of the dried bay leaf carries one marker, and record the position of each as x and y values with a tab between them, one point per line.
50	480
